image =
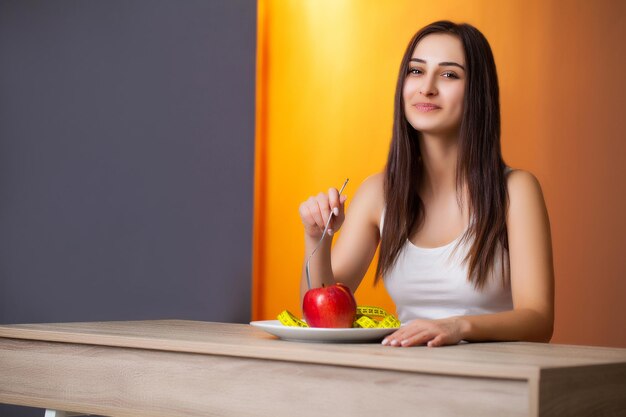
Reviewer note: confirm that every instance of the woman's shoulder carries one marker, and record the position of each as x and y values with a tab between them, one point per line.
519	181
525	194
372	187
374	183
370	196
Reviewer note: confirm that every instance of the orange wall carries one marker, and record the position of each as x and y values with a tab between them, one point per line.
326	74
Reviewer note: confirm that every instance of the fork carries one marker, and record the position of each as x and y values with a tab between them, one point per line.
308	275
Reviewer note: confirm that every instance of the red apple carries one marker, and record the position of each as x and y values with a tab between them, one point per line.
332	306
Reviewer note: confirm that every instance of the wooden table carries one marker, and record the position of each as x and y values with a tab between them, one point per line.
187	368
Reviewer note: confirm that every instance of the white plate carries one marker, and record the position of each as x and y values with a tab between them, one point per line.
312	334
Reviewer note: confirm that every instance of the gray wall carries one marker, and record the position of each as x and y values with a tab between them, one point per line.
126	160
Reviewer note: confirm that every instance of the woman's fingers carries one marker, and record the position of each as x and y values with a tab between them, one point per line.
310	215
433	333
418	339
410	339
437	341
316	213
324	206
394	338
316	210
418	332
333	201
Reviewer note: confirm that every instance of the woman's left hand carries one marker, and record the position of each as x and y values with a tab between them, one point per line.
430	332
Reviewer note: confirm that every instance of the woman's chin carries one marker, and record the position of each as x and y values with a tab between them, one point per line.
436	130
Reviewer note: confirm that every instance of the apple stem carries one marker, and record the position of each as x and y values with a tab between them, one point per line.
323	285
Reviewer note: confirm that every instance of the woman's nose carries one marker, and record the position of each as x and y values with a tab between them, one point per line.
428	88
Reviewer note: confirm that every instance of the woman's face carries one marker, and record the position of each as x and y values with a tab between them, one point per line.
435	85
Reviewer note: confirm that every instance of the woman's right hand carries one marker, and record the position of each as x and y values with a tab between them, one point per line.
314	213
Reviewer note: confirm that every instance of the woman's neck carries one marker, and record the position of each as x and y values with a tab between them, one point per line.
439	161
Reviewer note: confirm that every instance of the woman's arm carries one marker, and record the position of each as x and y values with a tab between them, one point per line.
532	272
532	281
356	245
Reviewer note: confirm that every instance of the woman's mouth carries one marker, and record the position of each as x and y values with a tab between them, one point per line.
426	107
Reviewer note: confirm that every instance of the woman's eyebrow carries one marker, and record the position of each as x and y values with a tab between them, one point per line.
442	64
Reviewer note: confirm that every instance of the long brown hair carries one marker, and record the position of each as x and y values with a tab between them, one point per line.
480	166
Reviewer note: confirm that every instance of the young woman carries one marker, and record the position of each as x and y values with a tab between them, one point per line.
465	247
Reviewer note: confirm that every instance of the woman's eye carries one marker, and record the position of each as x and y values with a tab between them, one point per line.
414	71
450	75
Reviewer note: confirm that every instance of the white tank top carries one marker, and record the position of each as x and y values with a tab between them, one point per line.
431	283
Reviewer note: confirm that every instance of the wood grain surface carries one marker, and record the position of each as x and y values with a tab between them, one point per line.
134	382
186	368
508	360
